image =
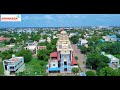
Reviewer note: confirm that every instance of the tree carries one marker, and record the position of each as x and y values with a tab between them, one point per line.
74	39
12	40
43	55
83	49
6	55
76	57
27	54
44	36
90	73
97	61
35	37
75	70
54	41
106	71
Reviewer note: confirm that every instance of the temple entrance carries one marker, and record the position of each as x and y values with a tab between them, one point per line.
65	69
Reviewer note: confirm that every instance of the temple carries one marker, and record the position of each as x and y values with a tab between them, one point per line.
62	60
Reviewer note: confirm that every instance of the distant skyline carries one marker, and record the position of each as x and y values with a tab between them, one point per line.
64	20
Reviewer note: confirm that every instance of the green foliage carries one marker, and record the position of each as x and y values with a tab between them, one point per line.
90	73
26	54
44	36
34	68
75	70
74	39
35	37
6	54
112	48
1	69
97	61
43	55
83	49
106	71
76	57
12	40
54	41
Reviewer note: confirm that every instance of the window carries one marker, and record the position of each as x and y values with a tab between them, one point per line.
11	67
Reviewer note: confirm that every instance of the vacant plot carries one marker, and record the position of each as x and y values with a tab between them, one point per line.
35	68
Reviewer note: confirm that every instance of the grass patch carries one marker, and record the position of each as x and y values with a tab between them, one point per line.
1	69
35	68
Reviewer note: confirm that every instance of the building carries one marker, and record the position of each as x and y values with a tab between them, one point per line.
83	42
112	37
63	59
3	39
31	46
42	40
114	62
54	36
106	38
4	49
13	65
48	39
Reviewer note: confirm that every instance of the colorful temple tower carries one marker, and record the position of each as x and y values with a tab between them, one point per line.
62	60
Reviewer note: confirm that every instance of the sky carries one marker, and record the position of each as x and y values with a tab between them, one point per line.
64	20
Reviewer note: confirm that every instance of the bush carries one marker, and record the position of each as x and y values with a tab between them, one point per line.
76	57
75	70
90	73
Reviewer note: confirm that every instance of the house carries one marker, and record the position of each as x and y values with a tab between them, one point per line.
83	41
3	39
112	37
63	59
54	36
106	38
48	39
13	65
42	40
114	62
4	49
31	46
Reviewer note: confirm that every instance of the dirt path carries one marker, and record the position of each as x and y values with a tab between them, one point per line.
81	57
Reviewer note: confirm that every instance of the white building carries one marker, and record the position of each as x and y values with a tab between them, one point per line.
106	38
48	39
55	37
13	65
32	46
114	62
83	42
42	40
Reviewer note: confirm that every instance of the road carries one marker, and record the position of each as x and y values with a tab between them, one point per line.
81	57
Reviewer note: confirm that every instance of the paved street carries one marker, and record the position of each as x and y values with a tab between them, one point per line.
81	57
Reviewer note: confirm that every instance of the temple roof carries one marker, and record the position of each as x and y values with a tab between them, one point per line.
74	61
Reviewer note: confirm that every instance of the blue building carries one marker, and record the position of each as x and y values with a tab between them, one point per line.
112	37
